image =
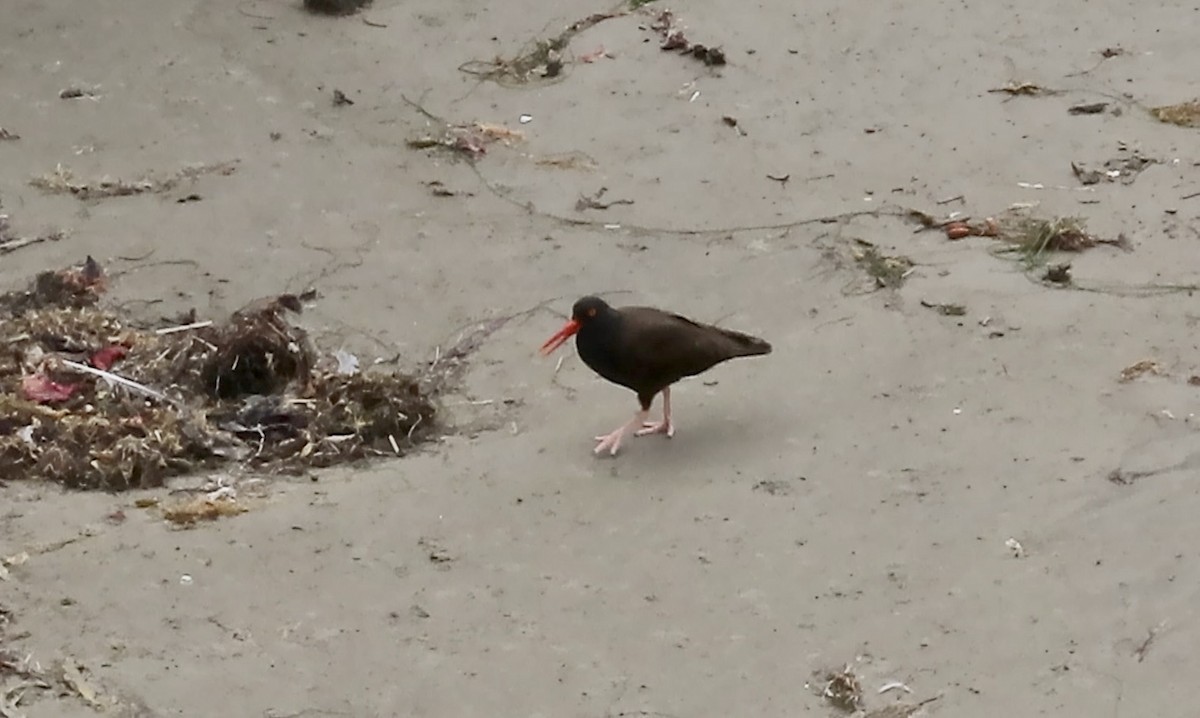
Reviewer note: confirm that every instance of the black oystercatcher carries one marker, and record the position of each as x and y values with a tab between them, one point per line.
647	350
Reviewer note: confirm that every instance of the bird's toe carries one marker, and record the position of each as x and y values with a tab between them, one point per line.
656	427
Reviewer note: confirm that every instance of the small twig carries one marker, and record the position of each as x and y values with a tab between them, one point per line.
183	327
1144	648
1193	195
115	379
413	428
593	201
12	245
373	23
1106	54
948	200
421	109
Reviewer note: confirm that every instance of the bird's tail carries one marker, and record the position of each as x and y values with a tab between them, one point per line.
745	345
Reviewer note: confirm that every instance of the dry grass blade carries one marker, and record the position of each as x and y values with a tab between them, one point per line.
62	181
888	272
541	59
1035	238
1028	89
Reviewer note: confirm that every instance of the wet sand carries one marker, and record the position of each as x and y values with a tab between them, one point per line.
846	500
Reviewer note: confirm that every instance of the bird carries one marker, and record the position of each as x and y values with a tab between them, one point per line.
647	350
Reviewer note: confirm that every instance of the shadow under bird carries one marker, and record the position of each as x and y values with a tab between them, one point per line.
647	350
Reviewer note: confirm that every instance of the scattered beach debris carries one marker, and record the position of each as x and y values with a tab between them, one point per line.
471	141
773	487
217	505
1184	114
593	201
1140	368
1106	54
340	99
1013	545
568	161
1091	108
10	561
1058	273
437	554
75	93
673	38
893	686
74	287
899	710
335	7
62	181
8	135
946	310
65	677
598	54
959	228
1123	169
731	121
73	678
91	400
1026	89
438	189
1086	176
10	242
843	690
1143	648
1033	238
541	59
886	271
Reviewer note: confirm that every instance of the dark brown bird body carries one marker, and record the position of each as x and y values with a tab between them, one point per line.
647	350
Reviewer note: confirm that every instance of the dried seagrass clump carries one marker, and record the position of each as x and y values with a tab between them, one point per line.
91	401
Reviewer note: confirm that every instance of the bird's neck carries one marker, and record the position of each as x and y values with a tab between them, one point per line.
596	336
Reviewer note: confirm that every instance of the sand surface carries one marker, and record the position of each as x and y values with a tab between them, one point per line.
847	500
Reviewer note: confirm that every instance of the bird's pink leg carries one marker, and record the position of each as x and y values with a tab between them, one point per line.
661	427
612	441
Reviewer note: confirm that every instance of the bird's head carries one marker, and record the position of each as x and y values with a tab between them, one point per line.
584	311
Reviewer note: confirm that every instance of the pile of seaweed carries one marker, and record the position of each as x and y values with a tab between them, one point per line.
91	400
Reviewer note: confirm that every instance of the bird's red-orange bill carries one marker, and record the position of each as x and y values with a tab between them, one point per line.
560	337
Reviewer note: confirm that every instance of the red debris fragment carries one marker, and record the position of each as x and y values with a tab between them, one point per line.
42	389
106	357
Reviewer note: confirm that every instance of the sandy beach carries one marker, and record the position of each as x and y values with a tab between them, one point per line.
940	481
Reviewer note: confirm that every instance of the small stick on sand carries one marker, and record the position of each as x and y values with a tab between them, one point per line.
183	327
114	379
413	428
1142	650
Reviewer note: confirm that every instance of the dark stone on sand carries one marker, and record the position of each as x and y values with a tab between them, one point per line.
335	7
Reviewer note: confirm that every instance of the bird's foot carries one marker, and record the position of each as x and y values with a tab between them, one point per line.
610	442
657	427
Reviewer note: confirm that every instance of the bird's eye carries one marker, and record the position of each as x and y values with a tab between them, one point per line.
591	312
